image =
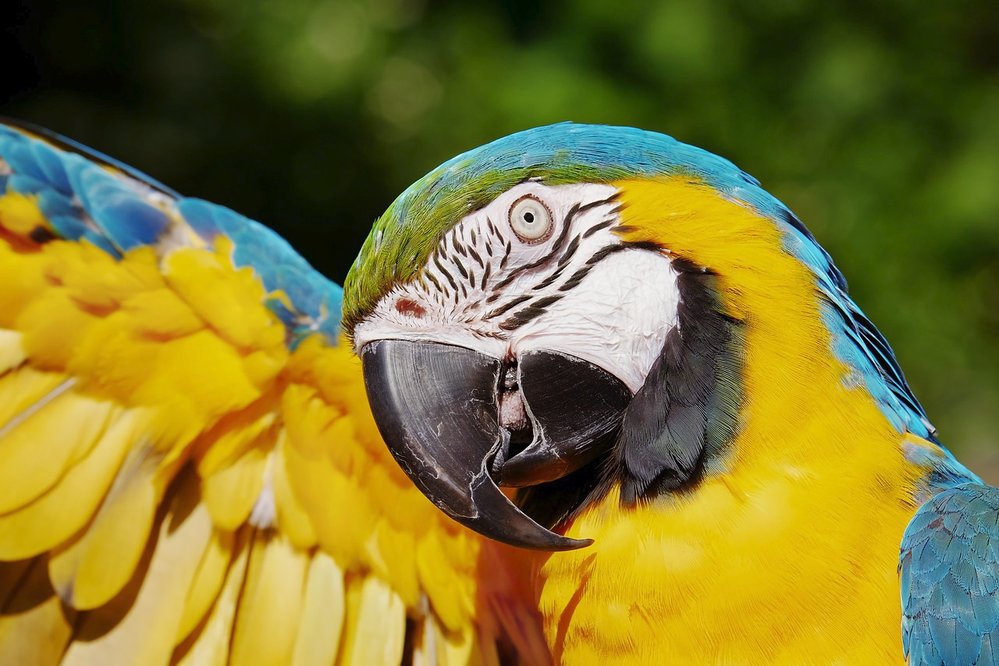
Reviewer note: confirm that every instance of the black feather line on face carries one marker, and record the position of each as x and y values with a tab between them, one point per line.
570	251
531	312
596	258
558	252
506	255
598	227
682	418
485	276
506	307
433	280
461	268
450	279
603	253
475	255
600	202
547	282
576	277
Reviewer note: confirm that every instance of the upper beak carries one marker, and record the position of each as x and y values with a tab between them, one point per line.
436	407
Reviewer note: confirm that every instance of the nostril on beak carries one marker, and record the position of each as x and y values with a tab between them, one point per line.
512	414
513	420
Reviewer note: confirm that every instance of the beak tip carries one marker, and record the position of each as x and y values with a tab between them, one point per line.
576	544
555	543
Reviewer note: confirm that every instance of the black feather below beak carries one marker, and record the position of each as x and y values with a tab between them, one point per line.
458	421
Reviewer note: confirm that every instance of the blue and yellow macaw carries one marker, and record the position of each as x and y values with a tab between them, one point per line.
664	361
629	331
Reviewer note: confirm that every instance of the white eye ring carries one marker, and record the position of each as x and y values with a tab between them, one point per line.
530	219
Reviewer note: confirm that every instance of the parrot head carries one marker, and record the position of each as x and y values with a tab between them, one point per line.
558	312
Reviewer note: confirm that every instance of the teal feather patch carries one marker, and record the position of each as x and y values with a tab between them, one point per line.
949	574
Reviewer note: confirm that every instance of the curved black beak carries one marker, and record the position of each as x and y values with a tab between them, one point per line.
435	405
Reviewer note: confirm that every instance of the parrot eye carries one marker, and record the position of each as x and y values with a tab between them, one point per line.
530	220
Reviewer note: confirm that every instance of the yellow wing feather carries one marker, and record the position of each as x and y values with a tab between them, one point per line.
177	486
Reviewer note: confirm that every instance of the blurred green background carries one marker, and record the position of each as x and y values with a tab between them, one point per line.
876	123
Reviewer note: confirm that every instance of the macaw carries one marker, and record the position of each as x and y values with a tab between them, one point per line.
626	332
189	470
664	371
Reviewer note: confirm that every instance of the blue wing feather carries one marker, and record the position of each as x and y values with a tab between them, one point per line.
88	196
949	574
47	155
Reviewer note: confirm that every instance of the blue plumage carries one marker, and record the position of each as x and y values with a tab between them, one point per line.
123	216
50	153
87	196
36	161
949	569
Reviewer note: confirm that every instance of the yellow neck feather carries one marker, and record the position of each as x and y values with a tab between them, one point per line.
787	555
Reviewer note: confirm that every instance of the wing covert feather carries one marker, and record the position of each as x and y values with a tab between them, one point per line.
949	570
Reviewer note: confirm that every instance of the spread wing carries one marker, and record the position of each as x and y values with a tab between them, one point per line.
949	568
189	471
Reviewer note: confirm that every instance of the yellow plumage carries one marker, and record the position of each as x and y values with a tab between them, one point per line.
20	214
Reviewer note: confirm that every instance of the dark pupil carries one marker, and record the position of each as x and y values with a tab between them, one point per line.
529	218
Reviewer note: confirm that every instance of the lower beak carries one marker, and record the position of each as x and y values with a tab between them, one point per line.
436	407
